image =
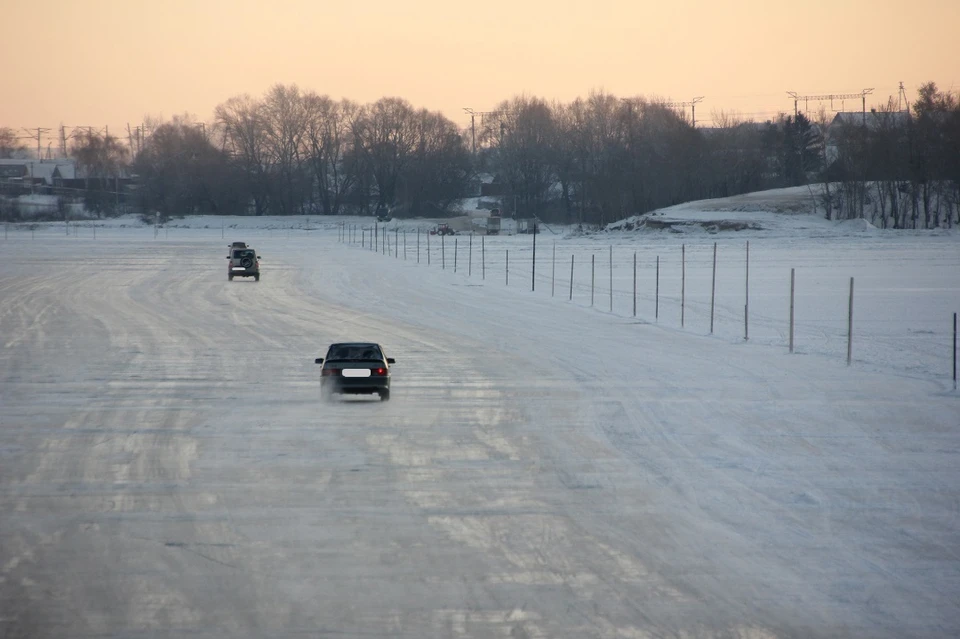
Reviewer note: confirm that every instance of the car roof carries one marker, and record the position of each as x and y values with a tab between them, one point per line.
357	344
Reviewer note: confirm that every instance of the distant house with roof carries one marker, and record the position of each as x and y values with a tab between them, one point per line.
750	126
493	185
38	172
873	121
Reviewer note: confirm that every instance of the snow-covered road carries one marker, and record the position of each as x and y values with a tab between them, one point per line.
543	469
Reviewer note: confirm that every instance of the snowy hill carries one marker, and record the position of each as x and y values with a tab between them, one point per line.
794	210
791	209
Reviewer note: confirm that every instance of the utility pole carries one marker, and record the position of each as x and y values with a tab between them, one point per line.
38	137
473	124
902	99
693	108
473	128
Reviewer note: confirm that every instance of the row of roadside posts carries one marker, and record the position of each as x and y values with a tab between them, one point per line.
377	239
66	225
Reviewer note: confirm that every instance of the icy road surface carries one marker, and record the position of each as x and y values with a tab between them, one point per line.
544	470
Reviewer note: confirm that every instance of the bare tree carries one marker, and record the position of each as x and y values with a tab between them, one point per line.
386	134
733	162
11	146
564	156
610	163
439	169
285	125
665	155
527	131
245	138
183	173
887	165
100	158
329	140
934	144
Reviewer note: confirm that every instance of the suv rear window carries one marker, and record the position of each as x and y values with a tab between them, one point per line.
237	255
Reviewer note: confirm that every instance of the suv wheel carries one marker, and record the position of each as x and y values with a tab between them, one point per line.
257	277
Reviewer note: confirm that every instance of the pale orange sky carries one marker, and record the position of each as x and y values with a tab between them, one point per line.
111	62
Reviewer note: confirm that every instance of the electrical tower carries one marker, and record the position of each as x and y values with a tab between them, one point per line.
473	124
135	139
73	132
829	96
693	108
38	137
902	99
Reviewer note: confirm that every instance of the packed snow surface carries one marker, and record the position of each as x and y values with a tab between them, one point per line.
547	467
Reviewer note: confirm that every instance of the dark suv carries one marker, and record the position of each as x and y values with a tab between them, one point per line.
244	262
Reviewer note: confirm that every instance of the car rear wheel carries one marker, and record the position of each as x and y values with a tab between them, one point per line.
229	278
257	277
385	395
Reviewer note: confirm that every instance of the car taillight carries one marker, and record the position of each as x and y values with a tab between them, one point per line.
378	371
328	372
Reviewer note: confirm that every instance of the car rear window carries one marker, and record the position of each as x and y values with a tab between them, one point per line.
244	253
355	352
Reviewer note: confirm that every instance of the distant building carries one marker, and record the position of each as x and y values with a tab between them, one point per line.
494	189
39	172
711	132
872	120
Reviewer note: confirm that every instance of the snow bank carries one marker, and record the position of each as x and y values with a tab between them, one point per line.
777	212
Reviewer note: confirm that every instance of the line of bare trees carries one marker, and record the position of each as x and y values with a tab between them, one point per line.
294	152
603	158
593	160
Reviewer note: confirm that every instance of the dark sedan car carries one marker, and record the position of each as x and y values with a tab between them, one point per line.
355	368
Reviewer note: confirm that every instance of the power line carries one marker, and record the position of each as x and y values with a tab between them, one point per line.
693	108
829	96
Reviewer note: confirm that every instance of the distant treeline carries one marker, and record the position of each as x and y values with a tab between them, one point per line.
592	161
